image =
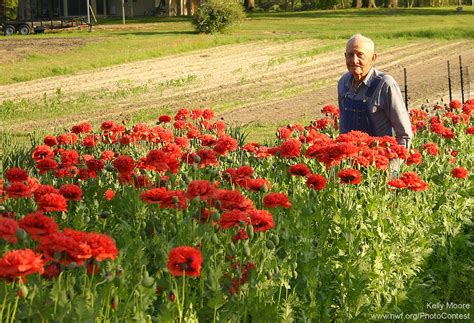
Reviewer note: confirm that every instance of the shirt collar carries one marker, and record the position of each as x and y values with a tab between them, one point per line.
370	76
367	80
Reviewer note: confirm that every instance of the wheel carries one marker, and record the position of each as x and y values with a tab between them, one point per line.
24	30
9	30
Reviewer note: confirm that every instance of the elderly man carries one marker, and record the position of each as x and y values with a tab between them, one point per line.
370	101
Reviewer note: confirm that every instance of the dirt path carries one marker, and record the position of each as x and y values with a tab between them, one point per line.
252	82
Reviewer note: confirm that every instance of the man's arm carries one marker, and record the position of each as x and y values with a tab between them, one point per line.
340	90
398	115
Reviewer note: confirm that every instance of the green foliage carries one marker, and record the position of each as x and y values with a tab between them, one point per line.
11	9
217	15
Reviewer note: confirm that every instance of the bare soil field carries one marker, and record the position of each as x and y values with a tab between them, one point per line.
245	83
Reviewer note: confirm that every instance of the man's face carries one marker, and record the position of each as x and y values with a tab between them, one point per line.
359	58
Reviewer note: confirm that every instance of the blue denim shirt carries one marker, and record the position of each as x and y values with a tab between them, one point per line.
386	106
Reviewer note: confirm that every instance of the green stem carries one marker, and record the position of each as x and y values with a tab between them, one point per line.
4	301
14	309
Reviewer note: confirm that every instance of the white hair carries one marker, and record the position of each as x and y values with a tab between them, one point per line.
369	42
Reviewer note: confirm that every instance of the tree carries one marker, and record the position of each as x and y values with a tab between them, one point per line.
179	10
371	4
249	4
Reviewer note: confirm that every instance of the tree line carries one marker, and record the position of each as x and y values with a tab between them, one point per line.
290	5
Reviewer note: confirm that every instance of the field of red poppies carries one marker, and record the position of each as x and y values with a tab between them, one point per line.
182	220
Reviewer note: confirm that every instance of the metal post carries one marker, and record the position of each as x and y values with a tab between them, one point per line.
123	12
462	83
449	83
88	13
406	86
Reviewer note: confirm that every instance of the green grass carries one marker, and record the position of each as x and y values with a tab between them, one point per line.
111	44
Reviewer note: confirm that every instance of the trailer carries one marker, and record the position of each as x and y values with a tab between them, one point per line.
35	16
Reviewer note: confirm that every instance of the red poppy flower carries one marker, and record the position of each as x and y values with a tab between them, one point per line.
52	202
107	155
45	165
109	194
38	226
398	183
182	142
233	218
174	200
207	157
415	158
63	248
67	139
154	196
455	104
180	124
68	172
200	188
224	144
208	140
20	263
8	229
83	127
290	148
185	261
381	162
414	182
261	220
95	165
431	148
460	172
91	141
41	152
324	123
299	170
18	190
44	189
231	199
196	114
316	182
50	141
101	246
331	110
238	176
124	164
256	184
16	174
349	176
71	192
182	114
284	133
467	108
69	157
164	119
208	114
193	133
219	126
273	200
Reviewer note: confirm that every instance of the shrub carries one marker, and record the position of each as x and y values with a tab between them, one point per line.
216	15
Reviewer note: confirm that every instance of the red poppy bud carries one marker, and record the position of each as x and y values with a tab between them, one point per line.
114	302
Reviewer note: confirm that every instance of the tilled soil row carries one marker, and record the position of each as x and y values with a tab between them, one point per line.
268	81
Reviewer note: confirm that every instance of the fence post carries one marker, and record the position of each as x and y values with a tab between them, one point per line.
461	80
406	86
449	83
